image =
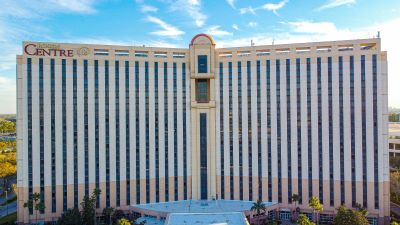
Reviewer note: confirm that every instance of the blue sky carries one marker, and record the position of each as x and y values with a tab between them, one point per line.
172	23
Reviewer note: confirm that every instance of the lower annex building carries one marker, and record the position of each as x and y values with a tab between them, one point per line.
148	124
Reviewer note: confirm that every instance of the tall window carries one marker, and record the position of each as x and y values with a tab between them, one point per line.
202	64
202	90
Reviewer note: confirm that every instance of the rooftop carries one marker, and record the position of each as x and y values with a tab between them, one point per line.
235	218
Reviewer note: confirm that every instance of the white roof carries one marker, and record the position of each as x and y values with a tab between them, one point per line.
235	218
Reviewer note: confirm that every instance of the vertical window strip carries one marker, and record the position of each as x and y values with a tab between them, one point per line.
175	134
107	126
268	68
320	165
288	130
137	132
64	131
278	130
375	120
96	124
146	91
41	131
364	132
184	131
156	132
86	124
29	87
75	122
249	131
299	155
203	157
259	130
221	127
53	137
331	181
353	143
230	130
117	137
240	130
166	131
309	140
127	135
342	193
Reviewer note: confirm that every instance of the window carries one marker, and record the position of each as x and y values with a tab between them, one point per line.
202	63
202	90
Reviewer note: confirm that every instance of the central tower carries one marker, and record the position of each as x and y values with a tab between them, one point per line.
202	64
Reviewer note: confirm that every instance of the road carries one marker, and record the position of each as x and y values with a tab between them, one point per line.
12	207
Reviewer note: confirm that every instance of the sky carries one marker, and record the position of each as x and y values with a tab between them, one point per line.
172	23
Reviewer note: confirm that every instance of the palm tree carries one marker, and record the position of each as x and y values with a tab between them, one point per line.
258	206
34	203
316	206
295	199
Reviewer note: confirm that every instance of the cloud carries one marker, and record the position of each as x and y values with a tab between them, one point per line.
148	8
231	3
248	9
7	95
30	9
216	31
312	27
190	7
274	7
336	3
235	26
252	24
167	29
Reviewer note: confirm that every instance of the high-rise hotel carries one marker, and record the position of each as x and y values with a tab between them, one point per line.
148	124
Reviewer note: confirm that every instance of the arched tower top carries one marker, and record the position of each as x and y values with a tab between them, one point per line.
202	39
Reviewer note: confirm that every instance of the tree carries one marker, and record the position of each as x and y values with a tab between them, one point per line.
123	221
34	203
303	220
258	207
7	170
107	214
316	206
346	216
295	199
71	217
89	207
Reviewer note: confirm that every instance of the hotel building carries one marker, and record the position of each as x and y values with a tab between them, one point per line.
148	124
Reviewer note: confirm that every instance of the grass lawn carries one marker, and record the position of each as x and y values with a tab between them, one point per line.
10	219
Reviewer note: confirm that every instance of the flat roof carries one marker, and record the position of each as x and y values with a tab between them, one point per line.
200	206
235	218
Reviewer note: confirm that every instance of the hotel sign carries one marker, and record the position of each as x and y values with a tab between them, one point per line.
54	50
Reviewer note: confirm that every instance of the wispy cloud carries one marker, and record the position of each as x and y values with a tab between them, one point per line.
192	8
217	31
167	29
274	7
252	24
235	26
336	3
248	9
312	27
148	8
231	3
29	9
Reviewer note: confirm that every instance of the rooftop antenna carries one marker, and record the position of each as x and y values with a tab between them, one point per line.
273	41
252	43
379	34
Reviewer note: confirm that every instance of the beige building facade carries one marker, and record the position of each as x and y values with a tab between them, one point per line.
148	124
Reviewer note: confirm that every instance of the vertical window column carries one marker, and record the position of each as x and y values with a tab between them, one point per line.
29	108
75	119
184	131
269	128
86	124
331	181
299	155
166	131
353	142
240	134
364	132
117	137
137	151
203	156
249	131
259	155
288	130
309	140
41	131
175	134
375	125
230	131
156	132
278	123
320	165
221	127
341	124
96	125
127	135
146	91
107	126
53	137
64	129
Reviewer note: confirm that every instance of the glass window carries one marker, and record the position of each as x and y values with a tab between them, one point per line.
202	63
202	90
